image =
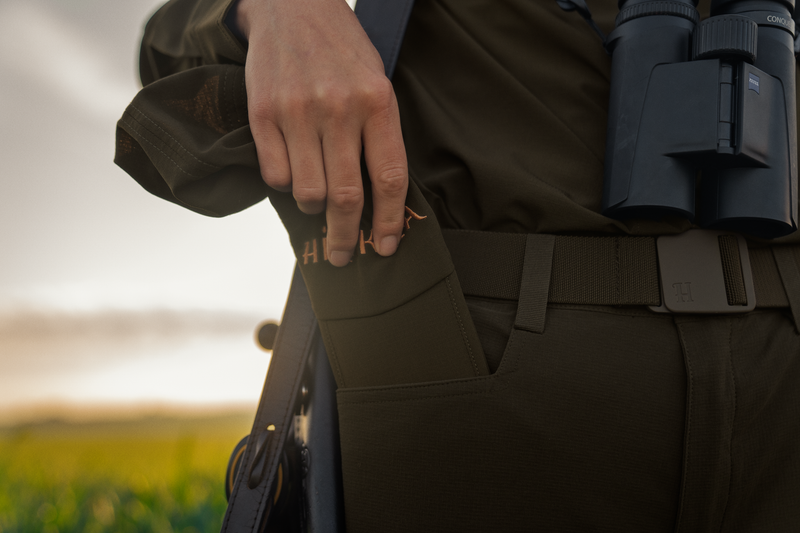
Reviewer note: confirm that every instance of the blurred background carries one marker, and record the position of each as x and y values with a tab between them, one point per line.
115	306
110	297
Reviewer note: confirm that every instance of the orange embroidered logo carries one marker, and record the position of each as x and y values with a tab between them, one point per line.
411	214
311	252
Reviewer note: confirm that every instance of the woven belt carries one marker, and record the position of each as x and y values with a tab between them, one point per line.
613	270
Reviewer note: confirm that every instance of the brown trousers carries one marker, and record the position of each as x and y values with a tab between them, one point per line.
612	419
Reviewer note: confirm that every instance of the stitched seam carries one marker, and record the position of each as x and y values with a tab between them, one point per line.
400	304
617	269
461	326
733	420
137	127
515	364
260	414
138	136
506	362
689	397
143	138
329	342
284	428
415	386
235	120
484	232
228	114
342	393
248	457
638	311
343	400
171	137
397	400
298	368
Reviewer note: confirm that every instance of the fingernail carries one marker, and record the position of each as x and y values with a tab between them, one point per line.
339	259
388	245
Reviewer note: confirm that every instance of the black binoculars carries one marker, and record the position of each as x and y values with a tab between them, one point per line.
702	115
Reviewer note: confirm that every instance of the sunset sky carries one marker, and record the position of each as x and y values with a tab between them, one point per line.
108	295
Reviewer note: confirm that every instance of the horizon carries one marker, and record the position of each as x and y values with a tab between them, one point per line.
110	296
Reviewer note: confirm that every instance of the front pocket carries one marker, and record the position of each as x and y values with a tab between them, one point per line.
494	320
428	338
577	431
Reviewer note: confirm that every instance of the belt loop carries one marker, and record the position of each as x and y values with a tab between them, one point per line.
786	260
535	285
710	413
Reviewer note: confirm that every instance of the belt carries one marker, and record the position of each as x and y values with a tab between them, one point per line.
618	270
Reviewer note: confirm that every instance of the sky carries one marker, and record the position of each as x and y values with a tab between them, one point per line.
108	295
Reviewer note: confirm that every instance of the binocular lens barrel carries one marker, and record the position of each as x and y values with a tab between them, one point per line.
760	201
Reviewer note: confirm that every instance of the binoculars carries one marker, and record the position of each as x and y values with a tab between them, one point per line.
702	115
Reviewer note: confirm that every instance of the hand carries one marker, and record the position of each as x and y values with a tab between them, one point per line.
316	93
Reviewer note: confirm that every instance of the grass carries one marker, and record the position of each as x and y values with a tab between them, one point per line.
154	474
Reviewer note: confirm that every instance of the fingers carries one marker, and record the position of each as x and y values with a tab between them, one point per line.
385	155
316	91
312	145
292	162
273	157
342	155
386	161
307	171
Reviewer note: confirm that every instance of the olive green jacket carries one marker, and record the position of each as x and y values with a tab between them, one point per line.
186	138
503	111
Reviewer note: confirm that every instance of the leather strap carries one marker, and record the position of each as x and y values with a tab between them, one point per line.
590	270
385	23
250	500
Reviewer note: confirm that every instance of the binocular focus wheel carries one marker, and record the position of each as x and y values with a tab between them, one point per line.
726	37
649	9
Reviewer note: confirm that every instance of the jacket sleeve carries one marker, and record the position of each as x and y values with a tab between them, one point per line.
186	138
184	34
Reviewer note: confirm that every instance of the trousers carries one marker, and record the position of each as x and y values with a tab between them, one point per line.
610	419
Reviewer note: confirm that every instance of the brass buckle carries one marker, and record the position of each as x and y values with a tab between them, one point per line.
692	279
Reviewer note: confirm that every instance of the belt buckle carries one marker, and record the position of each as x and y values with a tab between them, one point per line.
692	276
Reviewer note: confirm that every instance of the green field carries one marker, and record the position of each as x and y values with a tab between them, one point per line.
153	474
